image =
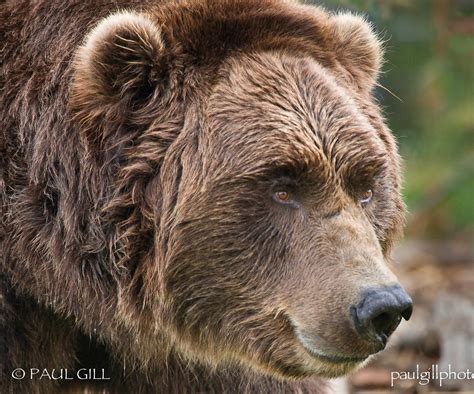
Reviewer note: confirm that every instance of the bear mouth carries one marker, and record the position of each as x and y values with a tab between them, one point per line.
326	358
335	359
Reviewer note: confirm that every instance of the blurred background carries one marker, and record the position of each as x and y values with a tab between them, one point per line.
430	71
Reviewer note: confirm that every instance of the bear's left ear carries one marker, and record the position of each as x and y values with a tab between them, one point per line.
357	48
121	65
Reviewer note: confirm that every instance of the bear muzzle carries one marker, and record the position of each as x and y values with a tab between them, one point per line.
379	313
361	332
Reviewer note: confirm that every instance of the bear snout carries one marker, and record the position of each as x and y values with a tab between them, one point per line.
379	313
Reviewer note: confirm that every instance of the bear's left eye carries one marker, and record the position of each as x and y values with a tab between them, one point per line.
365	197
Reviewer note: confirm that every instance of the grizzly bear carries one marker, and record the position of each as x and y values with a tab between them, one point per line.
197	196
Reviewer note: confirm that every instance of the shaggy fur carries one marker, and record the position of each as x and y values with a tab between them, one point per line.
142	146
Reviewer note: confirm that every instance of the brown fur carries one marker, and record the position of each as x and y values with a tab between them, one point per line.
138	160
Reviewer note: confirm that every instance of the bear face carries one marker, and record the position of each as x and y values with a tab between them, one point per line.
229	193
291	185
279	197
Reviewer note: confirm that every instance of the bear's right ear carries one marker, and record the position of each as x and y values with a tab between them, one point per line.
122	64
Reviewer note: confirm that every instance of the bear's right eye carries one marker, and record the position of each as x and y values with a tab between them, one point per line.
282	196
284	191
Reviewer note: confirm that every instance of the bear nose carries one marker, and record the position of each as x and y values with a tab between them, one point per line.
380	312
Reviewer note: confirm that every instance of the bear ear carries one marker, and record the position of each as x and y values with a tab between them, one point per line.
122	64
358	48
124	54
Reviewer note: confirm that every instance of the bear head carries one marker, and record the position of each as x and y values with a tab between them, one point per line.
255	189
